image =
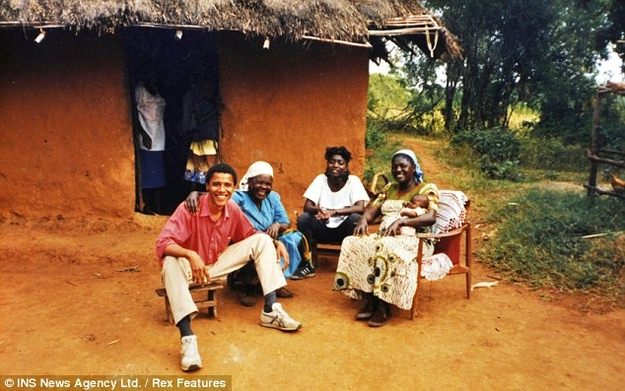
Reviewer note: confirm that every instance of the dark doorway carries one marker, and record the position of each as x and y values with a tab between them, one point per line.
168	65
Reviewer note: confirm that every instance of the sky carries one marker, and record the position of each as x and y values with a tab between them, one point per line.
610	69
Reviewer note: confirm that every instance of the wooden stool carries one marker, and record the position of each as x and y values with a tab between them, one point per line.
204	296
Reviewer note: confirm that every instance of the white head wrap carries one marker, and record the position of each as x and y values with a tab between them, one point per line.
257	168
418	172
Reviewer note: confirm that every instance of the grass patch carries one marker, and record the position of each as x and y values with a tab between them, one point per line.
539	242
552	154
486	194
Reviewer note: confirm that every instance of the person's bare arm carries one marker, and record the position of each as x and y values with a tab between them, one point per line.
311	207
408	212
424	220
192	202
282	253
275	229
358	207
371	213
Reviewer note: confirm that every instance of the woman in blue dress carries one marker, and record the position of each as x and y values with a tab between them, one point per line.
264	209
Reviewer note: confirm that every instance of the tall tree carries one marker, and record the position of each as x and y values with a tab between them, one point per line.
614	30
504	42
566	84
533	51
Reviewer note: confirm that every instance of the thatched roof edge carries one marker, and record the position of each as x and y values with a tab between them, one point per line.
346	20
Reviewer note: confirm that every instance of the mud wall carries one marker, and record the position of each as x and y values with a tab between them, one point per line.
65	125
285	105
65	129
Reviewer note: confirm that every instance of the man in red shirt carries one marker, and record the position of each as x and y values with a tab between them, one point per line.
209	244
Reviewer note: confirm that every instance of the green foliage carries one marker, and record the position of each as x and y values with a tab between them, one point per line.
522	119
568	117
387	104
551	154
506	44
566	111
612	134
387	97
380	147
541	53
614	30
539	241
419	76
497	150
375	135
567	85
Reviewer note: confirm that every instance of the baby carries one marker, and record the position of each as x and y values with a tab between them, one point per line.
416	207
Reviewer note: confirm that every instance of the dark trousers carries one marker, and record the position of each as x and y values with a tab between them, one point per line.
316	231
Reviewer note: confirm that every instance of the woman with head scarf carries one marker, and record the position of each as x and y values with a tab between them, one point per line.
382	268
263	207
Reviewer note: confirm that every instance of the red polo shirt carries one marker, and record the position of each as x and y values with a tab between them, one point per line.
200	233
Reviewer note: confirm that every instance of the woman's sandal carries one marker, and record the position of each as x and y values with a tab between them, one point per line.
367	311
381	314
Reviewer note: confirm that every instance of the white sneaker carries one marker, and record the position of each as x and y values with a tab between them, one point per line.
189	356
278	319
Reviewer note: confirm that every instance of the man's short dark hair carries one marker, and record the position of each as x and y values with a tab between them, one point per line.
342	151
221	168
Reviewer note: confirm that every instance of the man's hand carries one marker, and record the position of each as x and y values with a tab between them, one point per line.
192	202
273	230
282	253
200	275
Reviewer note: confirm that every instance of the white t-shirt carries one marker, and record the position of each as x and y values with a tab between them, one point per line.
319	192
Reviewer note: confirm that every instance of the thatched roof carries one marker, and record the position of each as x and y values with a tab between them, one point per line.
347	20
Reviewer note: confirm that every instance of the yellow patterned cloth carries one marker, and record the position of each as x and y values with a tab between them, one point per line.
384	265
198	162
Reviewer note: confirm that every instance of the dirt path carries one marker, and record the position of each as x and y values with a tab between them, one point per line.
68	309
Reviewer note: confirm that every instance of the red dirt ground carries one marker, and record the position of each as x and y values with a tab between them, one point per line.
67	308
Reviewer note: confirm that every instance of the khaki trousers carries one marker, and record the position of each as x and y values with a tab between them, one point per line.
177	275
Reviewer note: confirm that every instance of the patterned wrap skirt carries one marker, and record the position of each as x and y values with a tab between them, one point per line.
198	163
383	265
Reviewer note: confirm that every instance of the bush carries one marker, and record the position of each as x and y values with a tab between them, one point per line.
375	135
612	135
550	153
539	241
497	150
380	148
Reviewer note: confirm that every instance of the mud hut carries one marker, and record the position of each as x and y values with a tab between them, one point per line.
292	78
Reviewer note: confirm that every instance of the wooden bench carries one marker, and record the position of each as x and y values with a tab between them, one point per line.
333	250
323	250
204	296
